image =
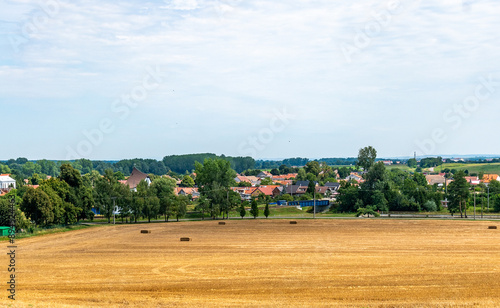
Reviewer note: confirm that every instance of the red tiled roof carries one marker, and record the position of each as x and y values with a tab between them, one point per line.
266	190
244	190
489	177
284	182
187	190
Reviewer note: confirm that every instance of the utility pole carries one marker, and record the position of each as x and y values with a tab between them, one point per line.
227	207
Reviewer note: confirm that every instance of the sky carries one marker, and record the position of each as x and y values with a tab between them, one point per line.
269	79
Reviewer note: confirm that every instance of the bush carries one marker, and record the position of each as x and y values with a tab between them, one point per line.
496	203
430	206
367	211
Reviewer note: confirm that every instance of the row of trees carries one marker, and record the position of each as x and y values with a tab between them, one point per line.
382	190
21	168
186	163
70	197
397	190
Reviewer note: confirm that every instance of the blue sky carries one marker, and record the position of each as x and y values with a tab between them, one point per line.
269	79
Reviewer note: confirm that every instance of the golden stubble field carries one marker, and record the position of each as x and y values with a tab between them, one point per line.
334	262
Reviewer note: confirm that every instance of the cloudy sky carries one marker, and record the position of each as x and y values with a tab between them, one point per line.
270	79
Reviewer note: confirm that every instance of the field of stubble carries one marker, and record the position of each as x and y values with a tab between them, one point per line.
353	263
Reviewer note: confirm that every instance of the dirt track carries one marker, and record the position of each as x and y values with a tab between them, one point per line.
358	263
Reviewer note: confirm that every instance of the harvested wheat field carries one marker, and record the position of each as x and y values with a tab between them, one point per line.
334	262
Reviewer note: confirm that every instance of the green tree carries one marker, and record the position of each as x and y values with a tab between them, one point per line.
243	211
5	211
203	206
301	176
215	177
254	210
37	206
58	205
430	206
266	210
151	203
80	196
347	198
367	211
495	201
151	207
376	174
187	181
30	168
313	167
420	179
494	187
70	175
311	187
275	171
70	213
87	202
458	190
163	189
343	172
232	201
366	157
107	190
286	197
266	181
119	176
412	163
136	207
181	203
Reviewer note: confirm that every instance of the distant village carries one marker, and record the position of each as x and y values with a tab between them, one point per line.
281	184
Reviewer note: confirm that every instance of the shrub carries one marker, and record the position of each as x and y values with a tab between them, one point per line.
430	206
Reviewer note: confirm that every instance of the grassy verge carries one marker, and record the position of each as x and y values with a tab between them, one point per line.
45	231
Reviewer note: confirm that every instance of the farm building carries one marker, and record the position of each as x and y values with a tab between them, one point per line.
136	177
6	182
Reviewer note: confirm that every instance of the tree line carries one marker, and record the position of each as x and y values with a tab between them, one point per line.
397	190
69	197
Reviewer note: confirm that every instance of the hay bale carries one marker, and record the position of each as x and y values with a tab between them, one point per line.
185	239
145	231
222	222
293	222
492	227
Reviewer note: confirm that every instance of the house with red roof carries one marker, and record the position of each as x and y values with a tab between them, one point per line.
244	192
253	180
473	180
264	174
266	190
490	177
186	191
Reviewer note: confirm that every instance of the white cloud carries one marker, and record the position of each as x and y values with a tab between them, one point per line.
237	60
